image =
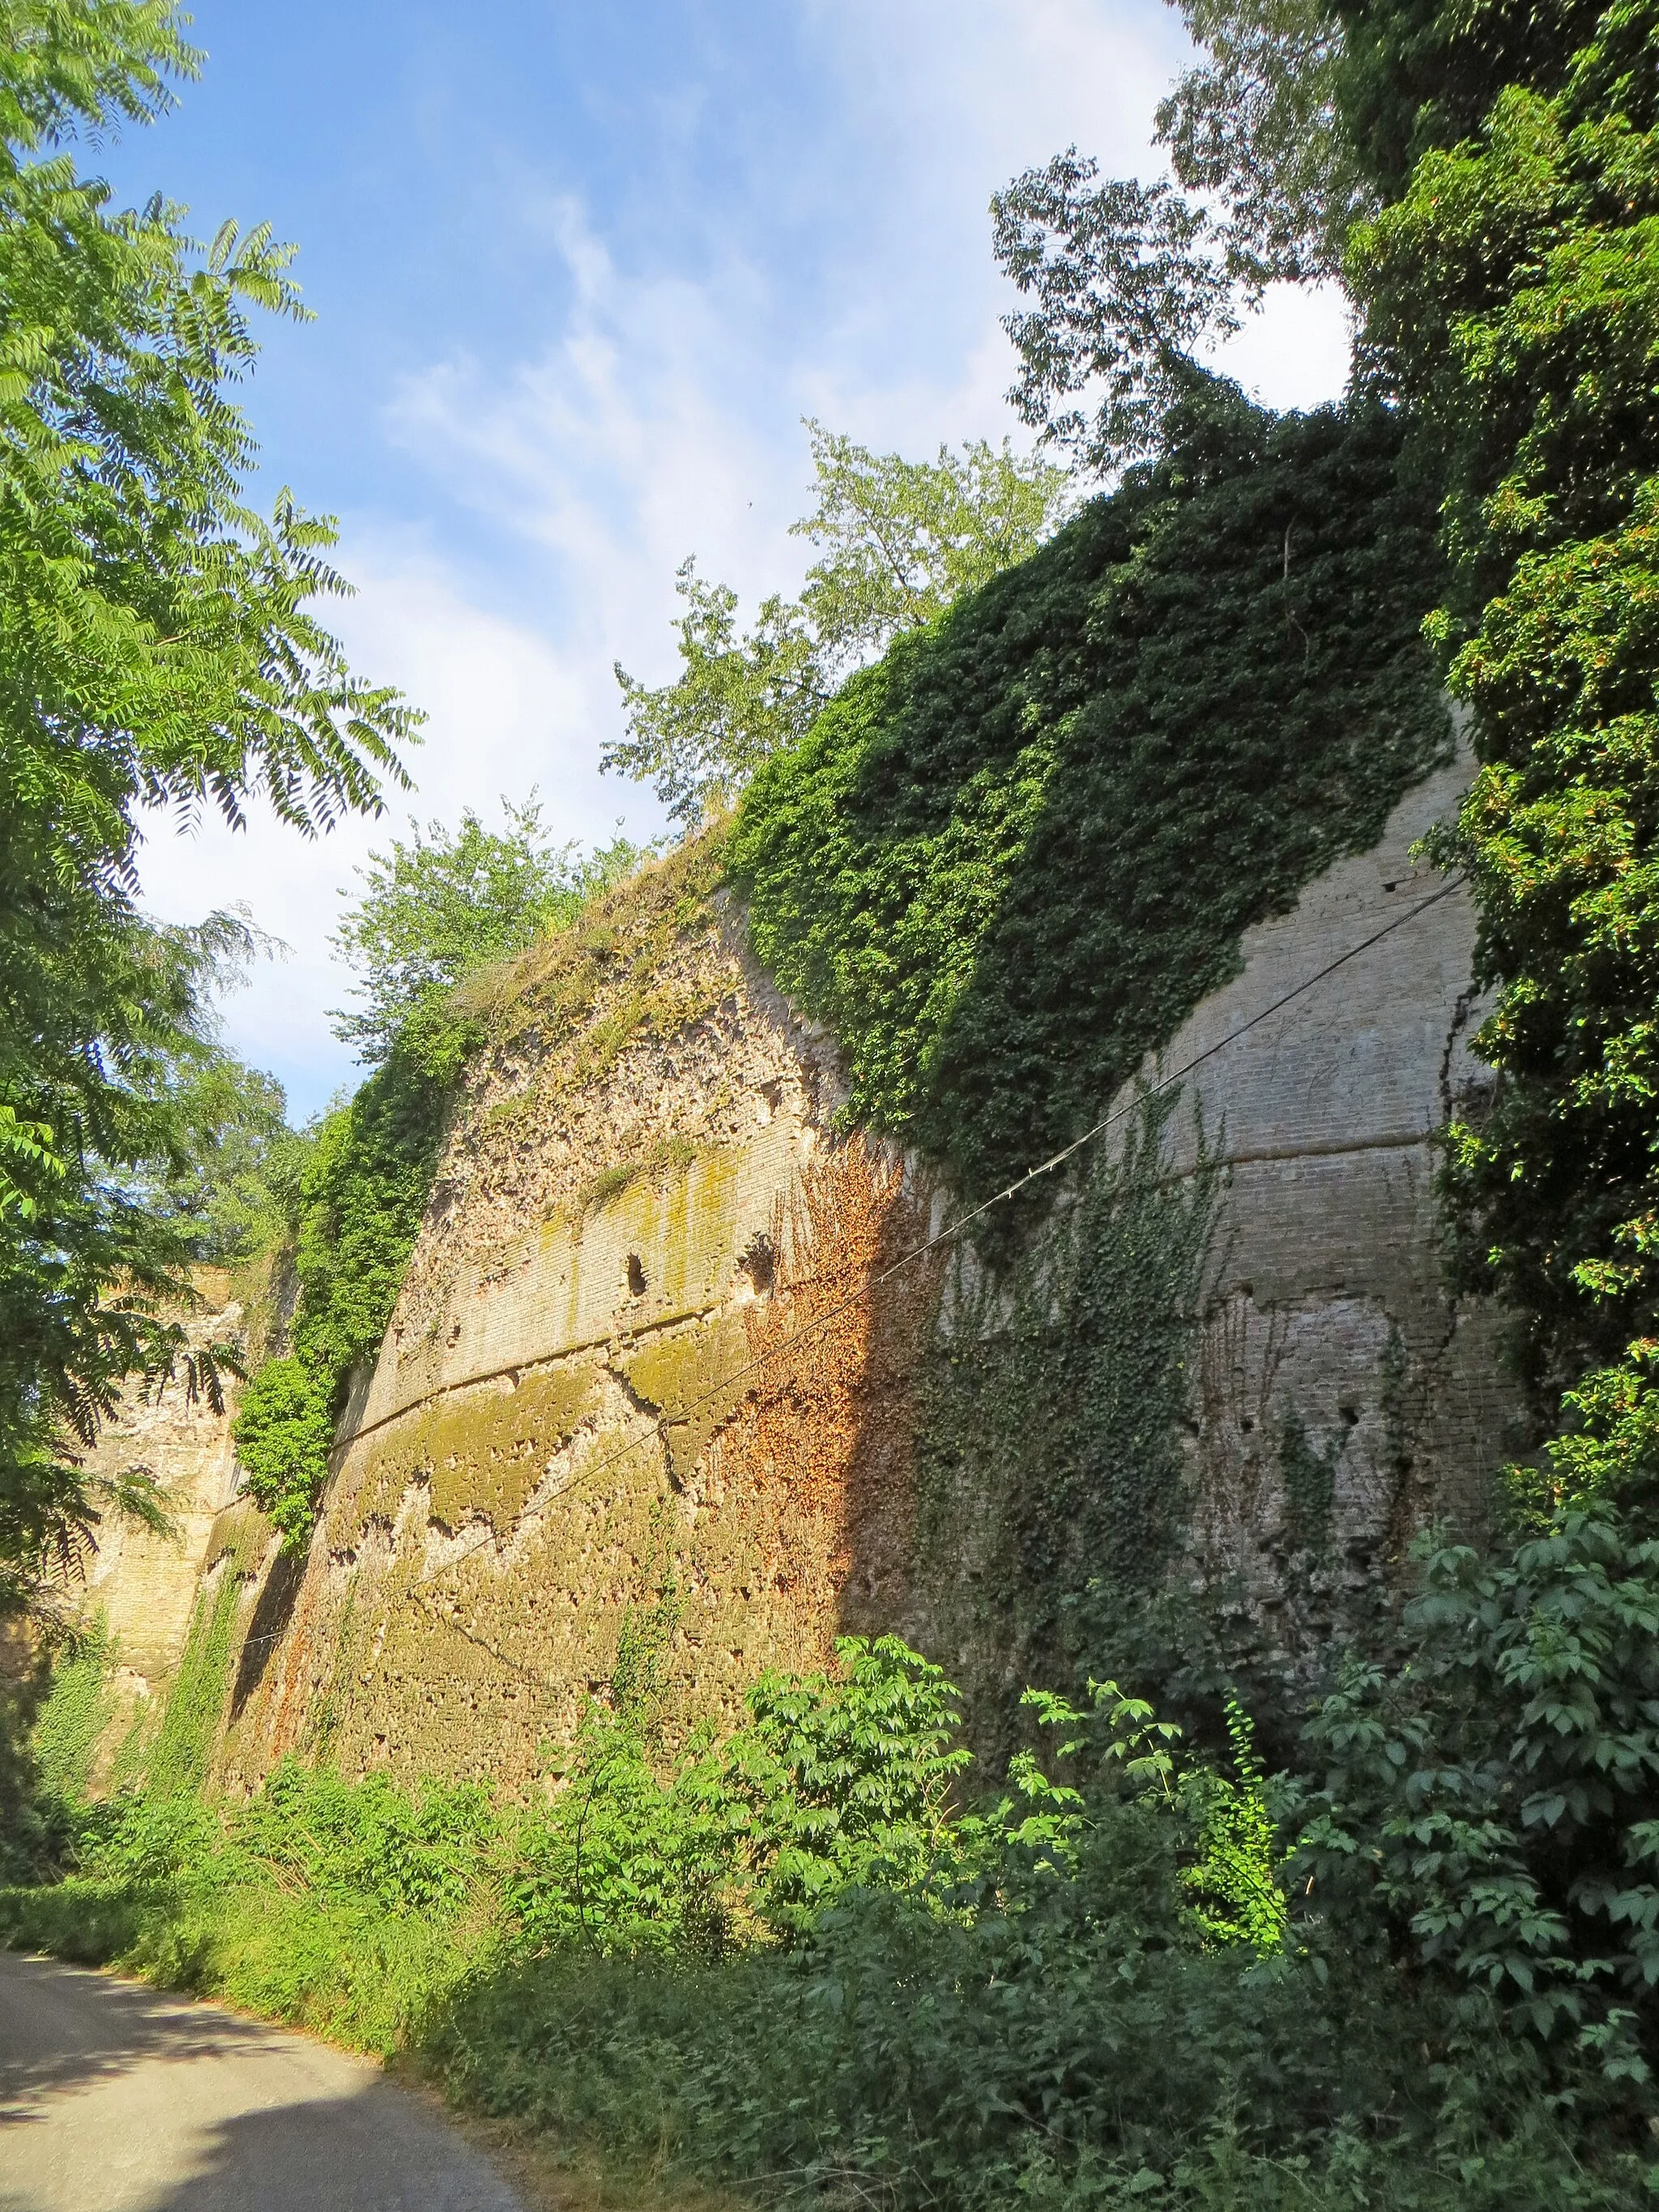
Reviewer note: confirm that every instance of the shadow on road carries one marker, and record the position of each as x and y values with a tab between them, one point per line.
114	2098
63	2027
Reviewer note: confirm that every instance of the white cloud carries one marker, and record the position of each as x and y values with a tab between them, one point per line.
505	711
660	417
640	435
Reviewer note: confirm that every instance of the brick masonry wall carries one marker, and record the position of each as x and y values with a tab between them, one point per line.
1328	1305
144	1584
552	1428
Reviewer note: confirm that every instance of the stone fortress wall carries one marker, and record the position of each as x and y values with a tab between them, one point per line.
596	1386
145	1584
1328	1294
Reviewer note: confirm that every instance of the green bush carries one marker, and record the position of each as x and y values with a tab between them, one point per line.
835	1781
284	1433
1494	1806
800	1963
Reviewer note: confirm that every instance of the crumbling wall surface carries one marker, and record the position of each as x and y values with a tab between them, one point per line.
1336	1397
145	1583
581	1400
1342	1394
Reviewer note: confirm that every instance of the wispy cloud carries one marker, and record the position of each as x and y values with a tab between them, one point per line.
536	499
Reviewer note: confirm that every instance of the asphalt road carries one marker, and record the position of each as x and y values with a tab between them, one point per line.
115	2099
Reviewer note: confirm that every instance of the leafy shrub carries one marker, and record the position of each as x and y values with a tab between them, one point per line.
794	1963
419	1852
284	1433
845	1781
837	1781
1494	1806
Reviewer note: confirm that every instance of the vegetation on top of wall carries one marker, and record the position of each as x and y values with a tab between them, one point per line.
438	908
1007	860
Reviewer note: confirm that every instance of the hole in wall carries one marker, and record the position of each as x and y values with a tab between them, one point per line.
1349	1415
635	1276
760	1264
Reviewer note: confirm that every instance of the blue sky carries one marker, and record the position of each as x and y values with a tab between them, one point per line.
577	273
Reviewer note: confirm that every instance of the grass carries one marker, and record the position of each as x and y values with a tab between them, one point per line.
667	1156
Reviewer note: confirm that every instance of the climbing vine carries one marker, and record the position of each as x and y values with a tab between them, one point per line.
355	1213
1007	861
78	1708
175	1761
1054	1405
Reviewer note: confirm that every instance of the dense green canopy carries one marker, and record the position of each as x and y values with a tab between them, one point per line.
159	654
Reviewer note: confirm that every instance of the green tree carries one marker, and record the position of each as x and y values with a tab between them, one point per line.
1259	123
1129	281
449	901
901	540
157	648
1512	302
898	540
225	1199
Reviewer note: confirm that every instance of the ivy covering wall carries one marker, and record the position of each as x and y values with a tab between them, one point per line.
1052	1494
1008	860
355	1212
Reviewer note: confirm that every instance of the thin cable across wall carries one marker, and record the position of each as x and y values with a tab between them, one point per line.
656	1431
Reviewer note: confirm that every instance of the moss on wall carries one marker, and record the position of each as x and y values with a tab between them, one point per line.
682	1376
452	1630
1052	1484
481	1452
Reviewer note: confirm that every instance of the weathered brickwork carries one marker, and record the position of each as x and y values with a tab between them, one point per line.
632	1350
144	1584
1330	1319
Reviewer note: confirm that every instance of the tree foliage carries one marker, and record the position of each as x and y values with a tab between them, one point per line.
1259	125
1511	303
449	901
899	542
1131	284
158	648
